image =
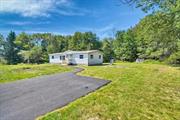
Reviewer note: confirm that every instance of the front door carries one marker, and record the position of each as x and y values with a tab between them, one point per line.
69	58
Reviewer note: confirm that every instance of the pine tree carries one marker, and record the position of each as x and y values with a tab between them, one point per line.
11	51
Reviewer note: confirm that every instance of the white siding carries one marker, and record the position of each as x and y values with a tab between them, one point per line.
95	59
76	58
56	59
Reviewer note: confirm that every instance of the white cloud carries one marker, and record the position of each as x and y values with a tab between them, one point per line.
19	23
34	8
72	12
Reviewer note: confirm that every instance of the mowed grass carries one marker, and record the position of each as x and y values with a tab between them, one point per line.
137	92
9	73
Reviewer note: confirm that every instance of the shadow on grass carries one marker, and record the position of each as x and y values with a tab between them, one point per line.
104	64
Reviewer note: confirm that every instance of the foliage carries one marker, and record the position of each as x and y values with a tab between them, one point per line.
150	61
9	73
2	61
23	41
136	92
25	55
157	37
1	45
107	49
83	41
125	46
36	55
174	58
157	34
147	5
11	50
35	48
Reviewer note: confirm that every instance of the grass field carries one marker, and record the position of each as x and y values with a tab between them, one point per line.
137	92
9	73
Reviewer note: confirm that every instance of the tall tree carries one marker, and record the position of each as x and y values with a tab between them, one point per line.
11	50
36	55
169	7
125	46
23	41
90	41
107	49
117	44
157	37
1	45
158	34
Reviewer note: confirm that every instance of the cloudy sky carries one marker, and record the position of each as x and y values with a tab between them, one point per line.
67	16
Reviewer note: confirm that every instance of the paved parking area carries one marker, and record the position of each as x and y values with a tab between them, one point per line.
28	99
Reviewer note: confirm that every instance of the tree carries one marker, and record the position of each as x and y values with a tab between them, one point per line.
25	55
169	7
1	46
11	50
2	60
117	43
147	5
76	41
23	41
36	55
125	46
107	49
54	45
157	38
83	41
90	41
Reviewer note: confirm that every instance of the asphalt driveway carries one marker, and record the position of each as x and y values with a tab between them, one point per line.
28	99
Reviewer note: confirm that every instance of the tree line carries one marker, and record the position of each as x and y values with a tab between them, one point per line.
156	36
35	48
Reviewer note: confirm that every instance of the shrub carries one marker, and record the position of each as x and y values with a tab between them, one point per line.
174	58
151	61
3	61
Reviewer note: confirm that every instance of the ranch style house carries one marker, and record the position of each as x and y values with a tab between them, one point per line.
91	57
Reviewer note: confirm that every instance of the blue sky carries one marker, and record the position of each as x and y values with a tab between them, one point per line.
102	17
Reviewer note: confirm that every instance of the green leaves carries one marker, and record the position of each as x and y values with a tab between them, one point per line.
157	36
107	49
36	47
11	50
125	46
23	41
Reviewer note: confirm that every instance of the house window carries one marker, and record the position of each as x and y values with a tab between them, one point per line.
52	57
81	56
91	56
99	56
60	57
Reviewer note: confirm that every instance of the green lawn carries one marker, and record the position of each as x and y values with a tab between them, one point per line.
137	91
9	73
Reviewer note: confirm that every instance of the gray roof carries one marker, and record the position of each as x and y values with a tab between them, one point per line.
74	52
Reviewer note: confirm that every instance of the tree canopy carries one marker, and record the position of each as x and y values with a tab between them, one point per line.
156	36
